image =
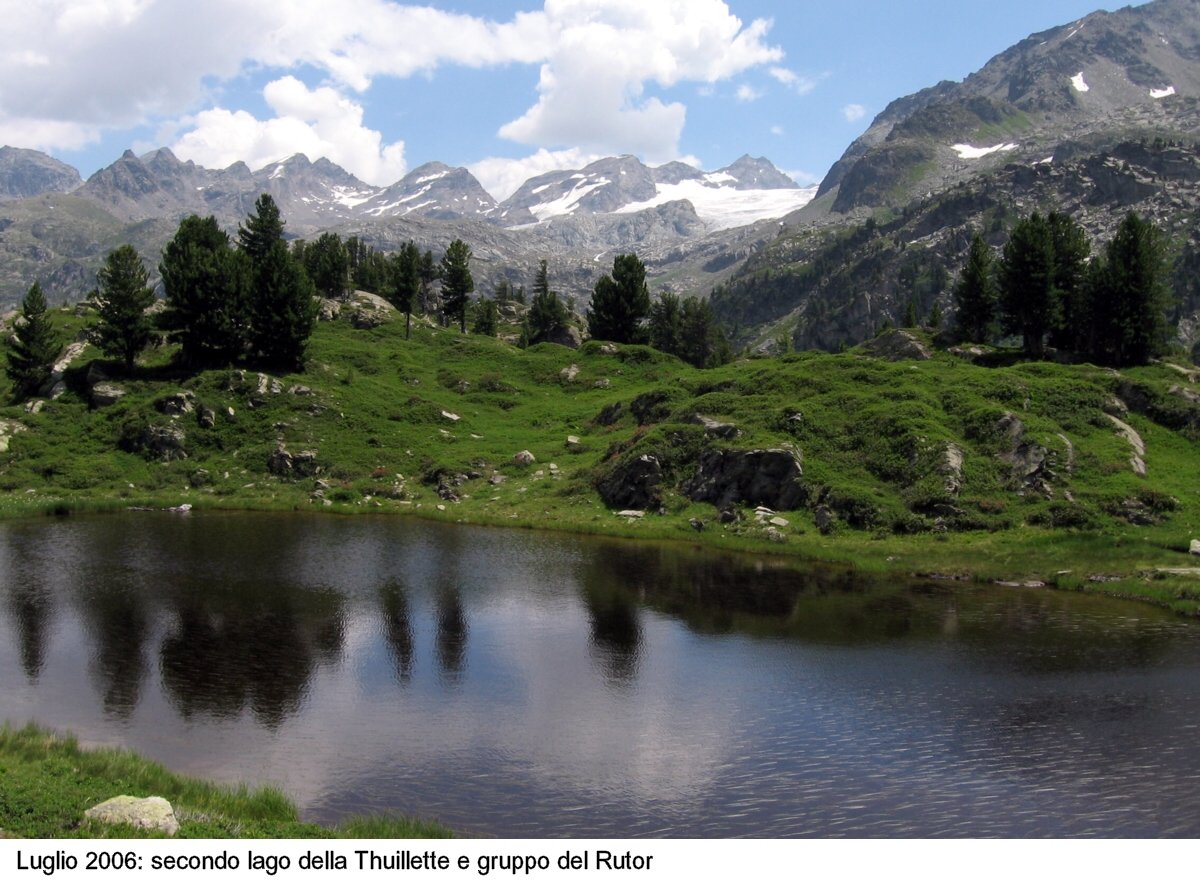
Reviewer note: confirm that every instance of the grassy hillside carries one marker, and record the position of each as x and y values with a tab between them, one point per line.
1017	473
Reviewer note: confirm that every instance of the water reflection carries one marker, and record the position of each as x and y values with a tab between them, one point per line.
553	686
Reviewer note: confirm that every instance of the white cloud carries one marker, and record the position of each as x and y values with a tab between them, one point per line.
854	112
71	69
501	176
605	53
777	130
318	123
793	81
747	93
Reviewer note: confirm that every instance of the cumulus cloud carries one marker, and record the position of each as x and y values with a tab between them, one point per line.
854	112
591	91
71	69
501	176
318	123
777	130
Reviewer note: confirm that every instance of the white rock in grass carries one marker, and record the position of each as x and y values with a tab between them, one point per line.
147	813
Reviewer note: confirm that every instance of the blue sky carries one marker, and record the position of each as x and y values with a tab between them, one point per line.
504	87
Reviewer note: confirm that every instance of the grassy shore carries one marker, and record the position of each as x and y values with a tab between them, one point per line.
429	426
49	781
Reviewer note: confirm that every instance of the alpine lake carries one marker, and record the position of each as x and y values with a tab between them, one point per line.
512	683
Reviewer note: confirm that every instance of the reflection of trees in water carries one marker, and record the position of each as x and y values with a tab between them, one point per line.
613	588
260	653
120	628
397	628
31	612
451	631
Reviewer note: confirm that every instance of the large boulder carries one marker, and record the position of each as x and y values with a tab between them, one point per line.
160	442
898	345
632	484
106	394
146	813
771	478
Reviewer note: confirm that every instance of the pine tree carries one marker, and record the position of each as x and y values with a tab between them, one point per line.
1071	251
487	317
1029	301
1129	296
35	348
406	282
620	302
975	294
665	324
701	341
457	282
547	315
282	309
205	283
327	263
124	328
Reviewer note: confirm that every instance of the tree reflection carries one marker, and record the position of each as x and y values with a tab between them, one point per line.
397	628
31	612
224	657
451	631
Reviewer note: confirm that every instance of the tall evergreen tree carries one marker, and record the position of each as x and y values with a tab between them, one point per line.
666	323
487	317
406	282
547	314
1130	295
327	262
124	328
36	346
975	294
702	342
457	283
620	302
206	286
1029	300
1071	251
282	309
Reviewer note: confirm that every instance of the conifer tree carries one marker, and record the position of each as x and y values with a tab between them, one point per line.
406	282
1071	251
327	263
487	317
547	314
1129	296
975	294
666	323
457	283
205	283
620	302
124	328
1029	301
282	309
35	348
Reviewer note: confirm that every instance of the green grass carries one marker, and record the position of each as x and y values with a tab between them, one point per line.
381	413
49	781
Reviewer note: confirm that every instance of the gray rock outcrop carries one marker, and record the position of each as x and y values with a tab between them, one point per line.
771	478
633	484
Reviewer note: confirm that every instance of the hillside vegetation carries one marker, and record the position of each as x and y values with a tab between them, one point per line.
877	456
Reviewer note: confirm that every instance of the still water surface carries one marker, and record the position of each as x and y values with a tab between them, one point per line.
522	684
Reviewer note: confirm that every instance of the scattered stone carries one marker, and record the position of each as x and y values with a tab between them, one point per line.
497	479
1105	578
329	309
776	536
609	348
631	514
727	517
824	518
780	522
696	524
287	465
106	394
602	383
1194	549
176	405
716	428
574	444
609	414
206	417
568	374
302	391
566	336
950	468
145	813
35	406
162	442
524	458
453	418
898	345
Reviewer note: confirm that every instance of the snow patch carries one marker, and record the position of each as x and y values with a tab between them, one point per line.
278	171
1073	33
723	207
569	201
970	152
1079	83
432	177
1163	93
718	178
348	197
542	188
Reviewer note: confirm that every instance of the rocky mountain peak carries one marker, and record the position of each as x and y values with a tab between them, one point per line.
25	173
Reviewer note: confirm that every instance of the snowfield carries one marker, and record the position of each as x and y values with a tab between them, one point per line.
724	208
970	152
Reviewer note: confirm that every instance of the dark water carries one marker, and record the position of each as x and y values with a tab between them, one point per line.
535	685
